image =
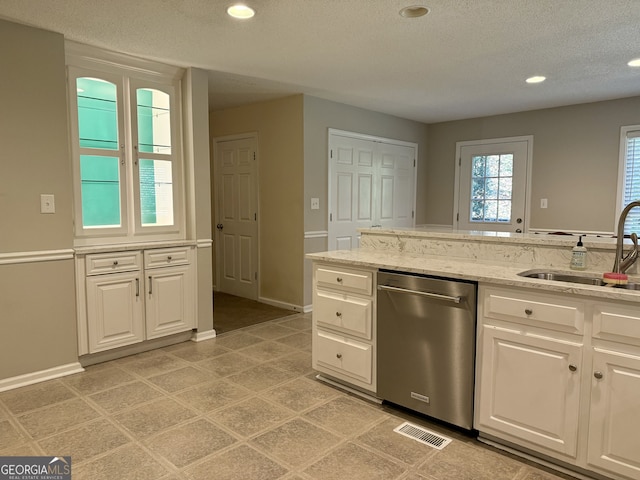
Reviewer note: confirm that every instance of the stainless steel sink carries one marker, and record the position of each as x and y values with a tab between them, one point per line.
584	279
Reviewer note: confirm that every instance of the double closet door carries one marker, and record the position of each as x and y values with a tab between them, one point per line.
371	184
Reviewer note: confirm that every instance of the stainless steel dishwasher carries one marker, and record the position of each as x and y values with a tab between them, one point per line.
426	344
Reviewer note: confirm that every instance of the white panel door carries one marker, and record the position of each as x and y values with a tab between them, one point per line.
115	309
169	305
492	179
237	227
614	442
371	183
396	184
352	178
529	389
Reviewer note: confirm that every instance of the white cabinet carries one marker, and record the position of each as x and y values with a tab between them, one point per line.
344	325
115	310
528	383
169	292
614	414
132	296
560	375
530	388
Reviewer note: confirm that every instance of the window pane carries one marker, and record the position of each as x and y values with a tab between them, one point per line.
493	166
491	188
477	211
477	166
100	190
156	192
490	211
504	211
477	188
632	183
154	122
97	113
505	188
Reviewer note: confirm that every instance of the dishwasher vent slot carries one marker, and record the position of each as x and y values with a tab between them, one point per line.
423	435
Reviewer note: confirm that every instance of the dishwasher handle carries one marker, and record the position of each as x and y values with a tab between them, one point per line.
423	294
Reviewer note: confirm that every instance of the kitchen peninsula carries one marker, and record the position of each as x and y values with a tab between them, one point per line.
557	363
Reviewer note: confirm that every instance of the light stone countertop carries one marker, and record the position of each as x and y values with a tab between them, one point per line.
492	272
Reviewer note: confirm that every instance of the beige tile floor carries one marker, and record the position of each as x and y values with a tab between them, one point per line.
244	405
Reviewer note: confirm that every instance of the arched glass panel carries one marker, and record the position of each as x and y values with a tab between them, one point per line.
97	113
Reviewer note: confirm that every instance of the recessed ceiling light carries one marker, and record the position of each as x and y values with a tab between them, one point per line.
536	79
414	11
241	11
634	63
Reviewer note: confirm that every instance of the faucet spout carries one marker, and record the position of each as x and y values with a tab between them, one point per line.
623	262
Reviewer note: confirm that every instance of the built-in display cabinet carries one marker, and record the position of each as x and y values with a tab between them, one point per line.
127	297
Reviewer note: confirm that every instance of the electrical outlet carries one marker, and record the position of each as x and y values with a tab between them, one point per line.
47	203
315	204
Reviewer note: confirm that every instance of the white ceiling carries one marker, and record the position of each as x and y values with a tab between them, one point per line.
466	58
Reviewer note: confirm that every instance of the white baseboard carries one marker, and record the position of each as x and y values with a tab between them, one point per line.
307	309
201	336
276	303
40	376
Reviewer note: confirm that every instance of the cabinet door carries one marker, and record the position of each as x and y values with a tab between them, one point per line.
529	389
114	311
614	441
169	299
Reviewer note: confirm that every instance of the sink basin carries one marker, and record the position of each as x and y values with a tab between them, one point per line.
583	279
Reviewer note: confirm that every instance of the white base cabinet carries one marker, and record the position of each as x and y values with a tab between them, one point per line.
132	296
560	375
343	341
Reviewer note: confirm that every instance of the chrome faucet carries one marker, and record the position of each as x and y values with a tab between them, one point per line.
623	262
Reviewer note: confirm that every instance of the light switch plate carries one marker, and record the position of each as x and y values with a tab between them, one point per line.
543	203
47	203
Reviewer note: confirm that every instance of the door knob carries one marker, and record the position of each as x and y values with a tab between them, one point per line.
598	375
518	220
219	226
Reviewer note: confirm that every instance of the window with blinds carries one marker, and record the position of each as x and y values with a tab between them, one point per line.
630	175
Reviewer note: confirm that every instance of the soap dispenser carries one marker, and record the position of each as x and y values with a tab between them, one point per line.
579	256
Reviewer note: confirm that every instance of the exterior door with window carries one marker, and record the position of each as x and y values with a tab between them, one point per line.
237	223
492	180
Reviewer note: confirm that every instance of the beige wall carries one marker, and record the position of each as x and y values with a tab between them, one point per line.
575	161
279	125
37	300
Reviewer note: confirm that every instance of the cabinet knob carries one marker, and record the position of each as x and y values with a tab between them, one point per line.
115	262
169	258
573	367
339	355
528	311
598	375
339	279
338	314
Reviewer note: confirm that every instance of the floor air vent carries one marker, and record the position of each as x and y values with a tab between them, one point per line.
422	435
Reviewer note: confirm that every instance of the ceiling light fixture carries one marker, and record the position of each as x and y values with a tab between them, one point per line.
634	63
241	11
536	79
414	11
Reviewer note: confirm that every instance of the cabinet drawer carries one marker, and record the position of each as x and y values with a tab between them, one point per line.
620	323
357	281
344	356
346	313
100	263
163	257
544	311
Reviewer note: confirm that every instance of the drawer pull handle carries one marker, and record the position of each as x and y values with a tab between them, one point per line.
338	314
573	367
115	263
137	287
528	311
339	279
598	375
339	356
